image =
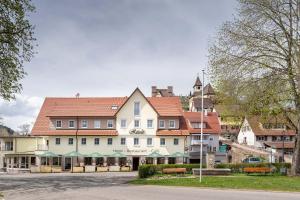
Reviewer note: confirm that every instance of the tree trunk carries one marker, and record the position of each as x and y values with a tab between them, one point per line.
295	171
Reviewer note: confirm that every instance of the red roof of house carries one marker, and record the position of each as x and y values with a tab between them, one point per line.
256	124
79	132
95	107
279	145
211	119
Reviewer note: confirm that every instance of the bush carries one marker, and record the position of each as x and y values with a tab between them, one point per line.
149	170
238	168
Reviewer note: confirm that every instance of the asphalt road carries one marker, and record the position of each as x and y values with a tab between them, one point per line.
113	186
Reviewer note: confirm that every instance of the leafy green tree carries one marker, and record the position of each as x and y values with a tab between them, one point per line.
16	45
256	58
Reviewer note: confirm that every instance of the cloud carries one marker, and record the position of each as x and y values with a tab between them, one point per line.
23	109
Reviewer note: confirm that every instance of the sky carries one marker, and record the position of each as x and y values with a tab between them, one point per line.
110	47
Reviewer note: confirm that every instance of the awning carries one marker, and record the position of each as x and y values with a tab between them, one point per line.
117	155
74	154
95	155
178	155
155	154
49	154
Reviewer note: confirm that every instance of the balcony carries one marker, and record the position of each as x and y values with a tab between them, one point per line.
198	142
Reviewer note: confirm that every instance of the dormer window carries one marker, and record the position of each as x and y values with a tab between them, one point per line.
84	124
172	124
198	124
136	108
274	126
114	107
58	124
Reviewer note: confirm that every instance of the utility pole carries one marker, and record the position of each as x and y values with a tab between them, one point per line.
201	137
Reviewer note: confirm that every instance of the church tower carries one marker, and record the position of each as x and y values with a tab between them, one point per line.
197	86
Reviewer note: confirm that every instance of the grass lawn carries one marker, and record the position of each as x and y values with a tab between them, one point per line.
274	183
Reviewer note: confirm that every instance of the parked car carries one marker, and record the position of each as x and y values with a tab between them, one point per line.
252	160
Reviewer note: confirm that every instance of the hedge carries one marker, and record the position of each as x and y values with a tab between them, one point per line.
238	168
149	170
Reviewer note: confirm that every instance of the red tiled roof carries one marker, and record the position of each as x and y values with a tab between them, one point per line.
212	122
279	145
97	106
80	132
167	106
256	125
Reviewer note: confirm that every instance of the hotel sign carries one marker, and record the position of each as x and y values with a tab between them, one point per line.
137	131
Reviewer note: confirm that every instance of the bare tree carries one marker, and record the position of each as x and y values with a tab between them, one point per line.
257	56
24	129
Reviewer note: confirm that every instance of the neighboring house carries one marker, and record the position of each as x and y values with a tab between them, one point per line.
230	120
211	132
272	132
162	92
139	129
195	102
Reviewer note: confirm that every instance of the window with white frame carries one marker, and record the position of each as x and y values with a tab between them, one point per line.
83	141
123	141
123	123
71	141
176	141
162	141
198	125
97	141
58	124
109	141
136	141
136	108
97	124
172	124
161	123
71	124
136	123
84	123
110	123
150	123
149	141
57	141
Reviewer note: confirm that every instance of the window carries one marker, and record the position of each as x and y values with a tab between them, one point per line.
70	142
176	141
136	123
84	124
110	123
114	107
198	125
162	141
161	123
71	124
172	124
57	141
150	123
58	123
123	141
83	141
96	141
97	124
109	141
136	108
123	123
136	141
149	141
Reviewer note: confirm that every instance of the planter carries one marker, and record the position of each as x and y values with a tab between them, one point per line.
45	169
114	168
35	169
125	169
78	170
102	169
89	168
56	169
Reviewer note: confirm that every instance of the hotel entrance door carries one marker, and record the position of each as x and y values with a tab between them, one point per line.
135	163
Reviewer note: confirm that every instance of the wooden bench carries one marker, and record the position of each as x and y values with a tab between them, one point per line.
174	170
263	170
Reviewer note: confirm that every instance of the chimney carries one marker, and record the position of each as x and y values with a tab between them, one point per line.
205	112
170	90
154	91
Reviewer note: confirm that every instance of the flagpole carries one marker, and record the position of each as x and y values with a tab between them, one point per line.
201	137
